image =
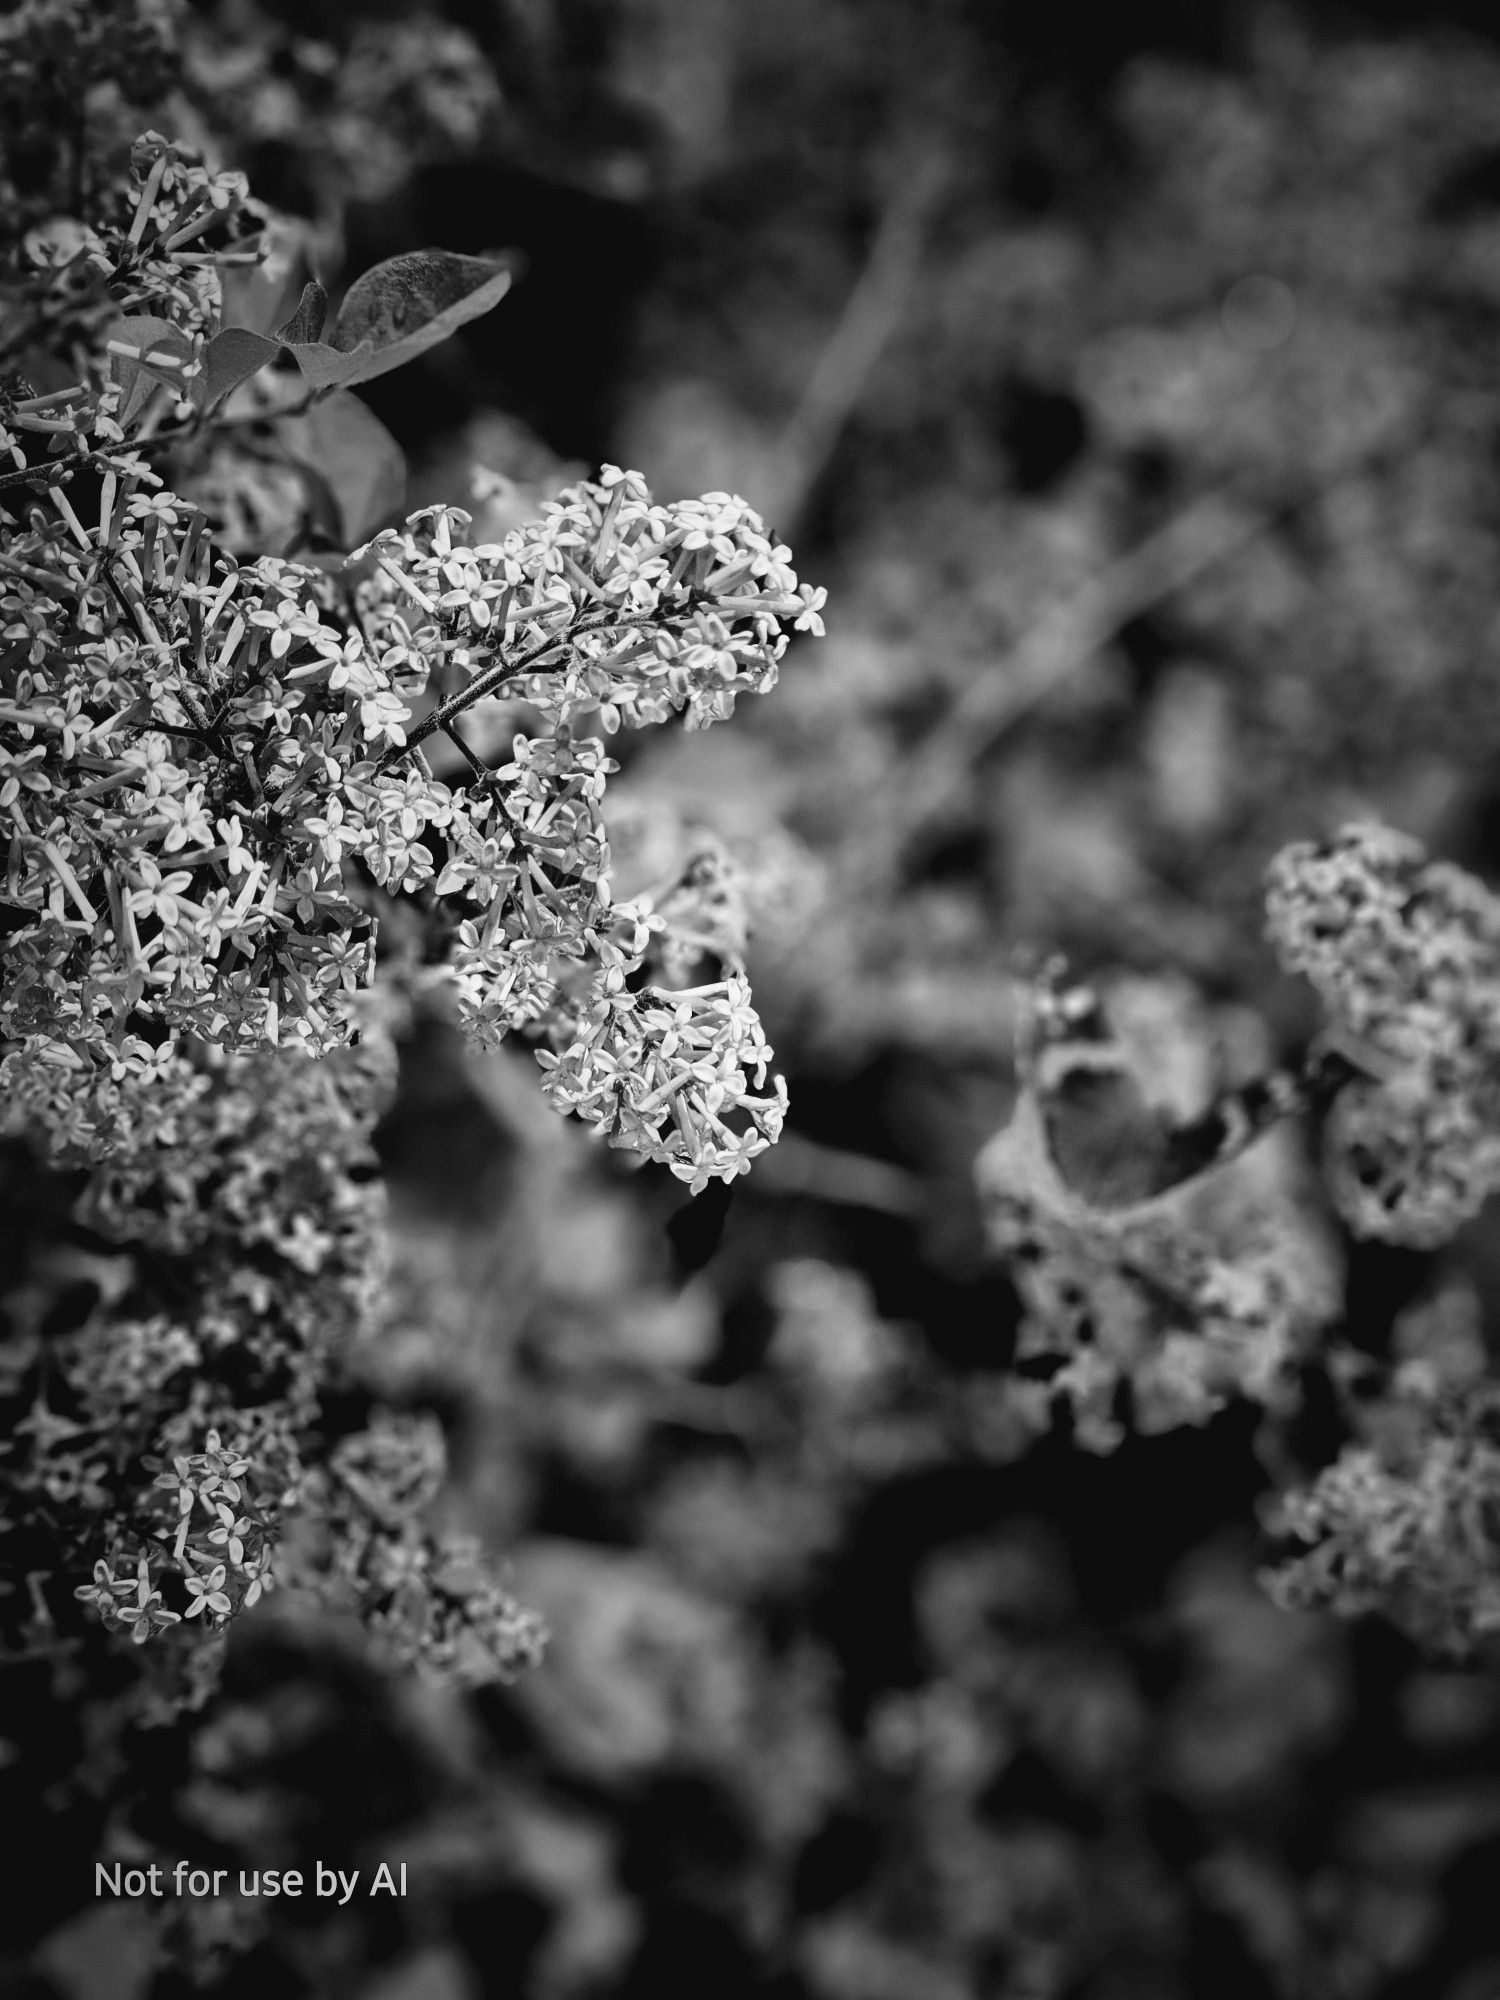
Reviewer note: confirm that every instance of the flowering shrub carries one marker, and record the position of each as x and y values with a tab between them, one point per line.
213	791
1405	1534
235	1284
1166	1269
1165	532
1405	956
206	789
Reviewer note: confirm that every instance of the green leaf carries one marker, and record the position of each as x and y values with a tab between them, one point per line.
151	347
350	455
324	367
393	313
232	357
306	324
416	300
259	295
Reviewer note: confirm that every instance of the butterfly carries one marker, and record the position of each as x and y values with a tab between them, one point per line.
1113	1148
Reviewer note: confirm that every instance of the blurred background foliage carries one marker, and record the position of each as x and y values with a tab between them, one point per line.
1132	384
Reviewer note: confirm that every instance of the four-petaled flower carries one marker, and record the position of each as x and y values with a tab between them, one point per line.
237	856
161	507
230	1533
158	894
208	1594
286	621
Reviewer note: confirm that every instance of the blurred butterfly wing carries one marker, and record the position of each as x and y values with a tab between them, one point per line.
1108	1145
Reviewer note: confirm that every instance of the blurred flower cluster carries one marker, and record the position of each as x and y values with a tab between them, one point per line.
234	1279
1405	955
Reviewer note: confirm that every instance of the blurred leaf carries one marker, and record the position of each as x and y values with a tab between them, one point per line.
345	447
307	322
258	296
232	357
324	367
107	1952
438	1973
135	372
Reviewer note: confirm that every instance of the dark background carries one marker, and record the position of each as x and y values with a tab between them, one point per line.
856	1689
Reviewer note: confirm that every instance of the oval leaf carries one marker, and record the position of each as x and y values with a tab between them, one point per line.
410	303
324	367
306	324
144	351
232	357
260	294
391	314
343	444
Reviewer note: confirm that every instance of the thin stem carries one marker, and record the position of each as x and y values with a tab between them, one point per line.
171	728
51	474
54	473
132	616
202	419
871	316
493	677
481	770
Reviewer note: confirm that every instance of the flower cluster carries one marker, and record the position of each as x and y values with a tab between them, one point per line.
665	1073
192	752
243	1284
165	254
54	56
607	604
424	1599
169	735
1405	955
359	117
211	794
1404	1520
219	1544
141	279
243	1269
